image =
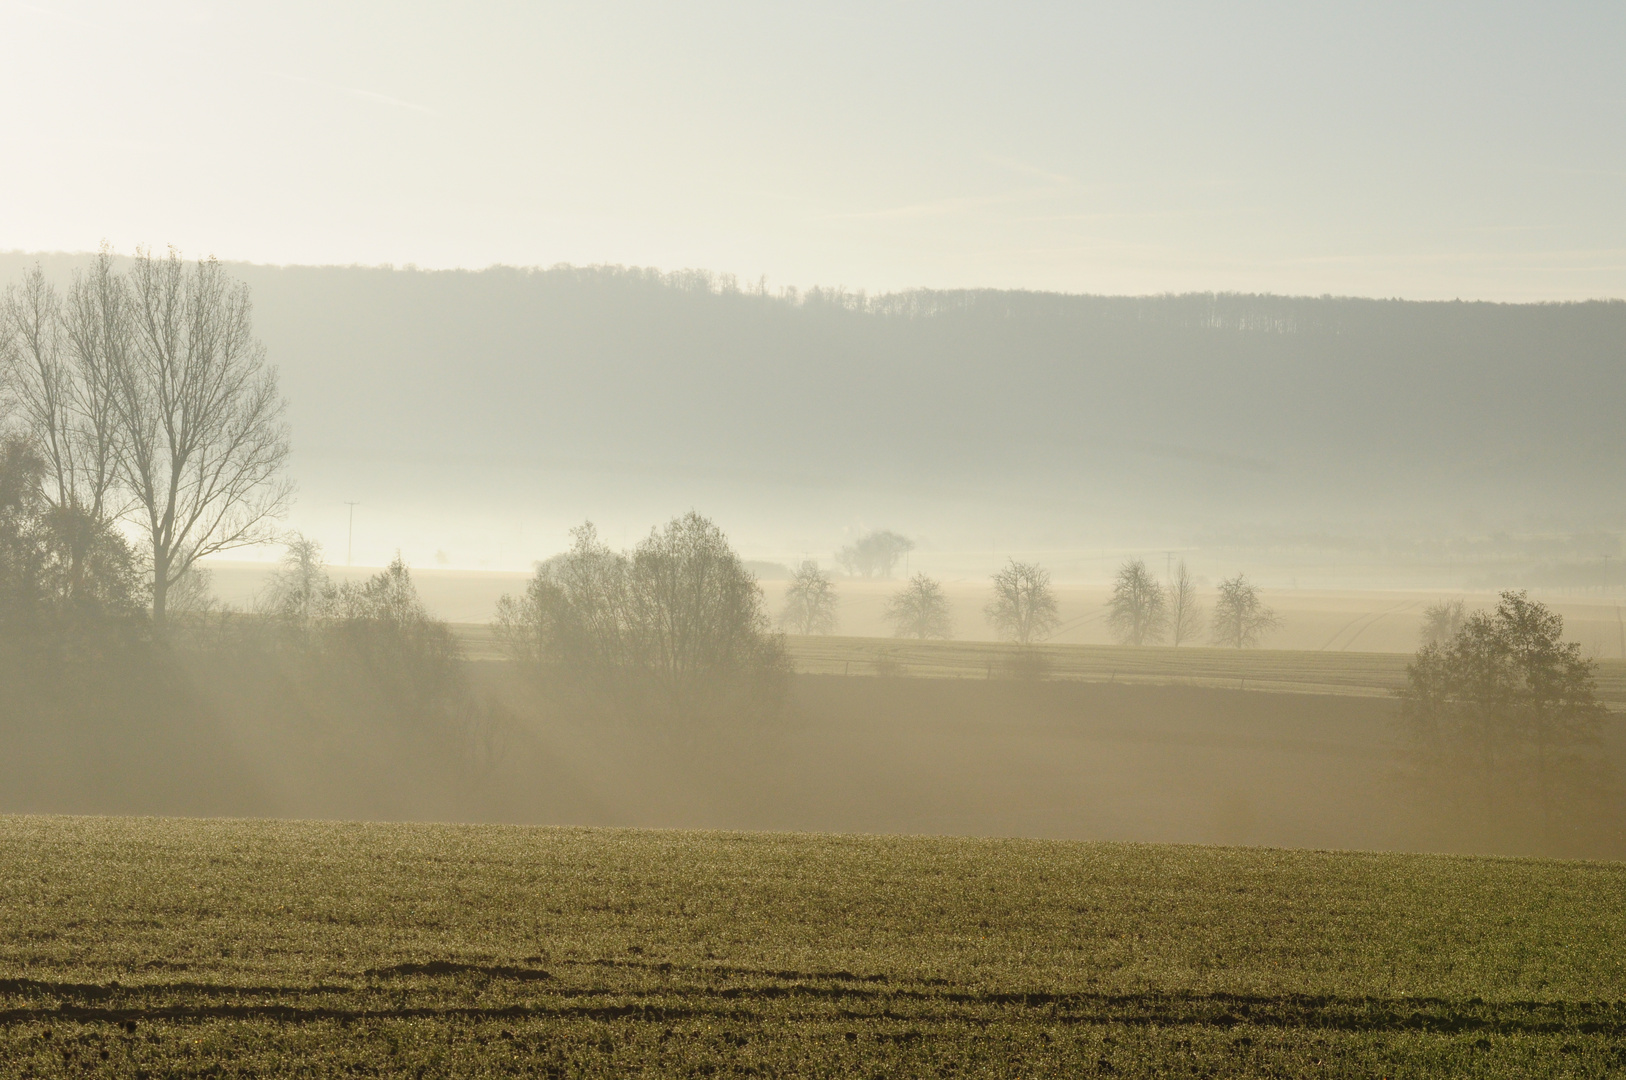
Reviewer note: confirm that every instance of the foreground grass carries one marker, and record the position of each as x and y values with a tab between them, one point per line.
143	947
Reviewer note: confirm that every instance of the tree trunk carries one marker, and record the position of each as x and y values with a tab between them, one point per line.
160	587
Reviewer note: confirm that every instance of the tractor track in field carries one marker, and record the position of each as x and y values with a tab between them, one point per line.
835	996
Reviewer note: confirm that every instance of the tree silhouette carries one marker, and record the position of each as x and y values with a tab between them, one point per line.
875	554
1508	706
1443	621
201	438
919	610
676	627
1240	619
810	602
1136	614
1185	613
1024	605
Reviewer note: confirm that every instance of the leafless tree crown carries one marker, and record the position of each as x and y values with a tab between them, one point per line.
810	602
679	618
148	397
1185	612
1506	713
1024	605
920	610
1443	620
200	420
1136	614
1240	617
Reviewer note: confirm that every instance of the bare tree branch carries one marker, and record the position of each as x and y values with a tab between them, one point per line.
1024	605
1137	614
810	602
1240	618
42	382
1185	613
203	442
920	610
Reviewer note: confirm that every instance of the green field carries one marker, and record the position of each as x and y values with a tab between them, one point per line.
147	947
1367	674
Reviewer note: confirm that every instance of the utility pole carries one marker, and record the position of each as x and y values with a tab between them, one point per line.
350	539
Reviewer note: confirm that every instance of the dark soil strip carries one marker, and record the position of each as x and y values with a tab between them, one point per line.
735	1003
761	973
449	967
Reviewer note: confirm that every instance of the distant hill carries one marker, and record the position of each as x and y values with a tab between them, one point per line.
520	400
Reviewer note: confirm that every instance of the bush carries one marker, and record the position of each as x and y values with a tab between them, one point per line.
70	589
1504	717
674	630
363	663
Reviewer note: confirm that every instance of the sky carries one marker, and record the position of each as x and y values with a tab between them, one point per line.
1425	151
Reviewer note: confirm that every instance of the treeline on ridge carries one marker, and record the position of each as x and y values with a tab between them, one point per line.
1223	410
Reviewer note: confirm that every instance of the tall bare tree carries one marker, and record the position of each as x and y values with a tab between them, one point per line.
1136	613
61	388
1240	618
1024	605
810	602
42	381
202	442
8	373
920	610
96	329
1185	613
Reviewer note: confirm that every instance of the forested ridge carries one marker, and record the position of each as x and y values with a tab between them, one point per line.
1087	418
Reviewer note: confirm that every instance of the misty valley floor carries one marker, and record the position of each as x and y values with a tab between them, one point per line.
1063	759
149	947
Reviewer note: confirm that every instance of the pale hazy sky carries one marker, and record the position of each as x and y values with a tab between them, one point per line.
1406	149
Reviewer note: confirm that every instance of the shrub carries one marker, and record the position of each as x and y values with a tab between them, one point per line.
675	629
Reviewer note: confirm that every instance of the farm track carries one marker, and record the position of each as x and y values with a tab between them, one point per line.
1364	674
740	996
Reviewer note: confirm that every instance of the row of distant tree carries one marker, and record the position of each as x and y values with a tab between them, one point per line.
1143	611
1023	606
1501	715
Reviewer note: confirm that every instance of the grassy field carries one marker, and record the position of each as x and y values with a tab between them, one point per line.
146	947
1367	674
